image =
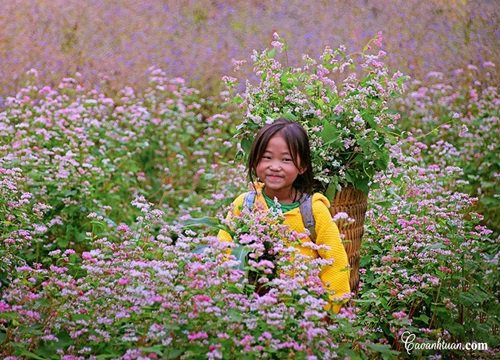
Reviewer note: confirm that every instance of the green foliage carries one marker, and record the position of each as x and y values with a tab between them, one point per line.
342	102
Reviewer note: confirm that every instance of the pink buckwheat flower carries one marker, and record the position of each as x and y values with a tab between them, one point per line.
123	281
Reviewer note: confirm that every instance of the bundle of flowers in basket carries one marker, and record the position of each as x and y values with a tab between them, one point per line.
341	100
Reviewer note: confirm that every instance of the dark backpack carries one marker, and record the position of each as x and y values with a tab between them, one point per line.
305	211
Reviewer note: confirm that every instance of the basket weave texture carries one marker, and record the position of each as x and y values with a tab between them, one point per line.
354	203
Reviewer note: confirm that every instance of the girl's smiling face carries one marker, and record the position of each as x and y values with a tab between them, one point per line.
277	170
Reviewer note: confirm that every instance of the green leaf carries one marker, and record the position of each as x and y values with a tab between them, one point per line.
371	121
349	353
329	132
157	349
384	350
64	339
289	116
205	220
98	223
271	53
235	315
173	353
467	299
63	241
319	102
401	80
489	201
41	303
8	315
349	177
311	90
30	355
424	318
331	190
210	222
241	252
362	184
48	349
284	79
237	100
246	145
383	161
479	295
76	317
107	356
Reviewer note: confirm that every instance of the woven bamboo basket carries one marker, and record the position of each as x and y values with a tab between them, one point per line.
354	203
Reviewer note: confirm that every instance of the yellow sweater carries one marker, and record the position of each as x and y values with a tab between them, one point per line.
335	277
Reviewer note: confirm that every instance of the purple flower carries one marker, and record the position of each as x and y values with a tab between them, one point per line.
123	281
399	315
197	336
123	228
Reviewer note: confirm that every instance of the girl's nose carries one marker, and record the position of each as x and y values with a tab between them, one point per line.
275	166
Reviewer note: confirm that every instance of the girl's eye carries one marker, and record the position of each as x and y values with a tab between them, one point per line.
287	160
267	157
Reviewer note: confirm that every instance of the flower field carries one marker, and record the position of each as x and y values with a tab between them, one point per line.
110	201
113	45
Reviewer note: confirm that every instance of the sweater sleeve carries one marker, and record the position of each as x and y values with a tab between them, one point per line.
335	277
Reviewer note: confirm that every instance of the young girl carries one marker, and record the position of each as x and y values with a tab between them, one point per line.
279	166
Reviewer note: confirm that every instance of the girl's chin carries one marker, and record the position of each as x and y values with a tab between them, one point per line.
273	180
273	188
274	184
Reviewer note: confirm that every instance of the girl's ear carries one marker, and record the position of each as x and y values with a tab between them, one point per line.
302	170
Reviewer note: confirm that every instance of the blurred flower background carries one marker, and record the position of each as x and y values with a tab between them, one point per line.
113	43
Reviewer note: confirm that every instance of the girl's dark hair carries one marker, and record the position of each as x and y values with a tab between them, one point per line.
298	145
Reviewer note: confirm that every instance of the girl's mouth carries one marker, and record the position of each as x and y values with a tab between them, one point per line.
273	177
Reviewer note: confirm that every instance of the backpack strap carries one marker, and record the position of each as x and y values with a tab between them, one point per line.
249	200
307	216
